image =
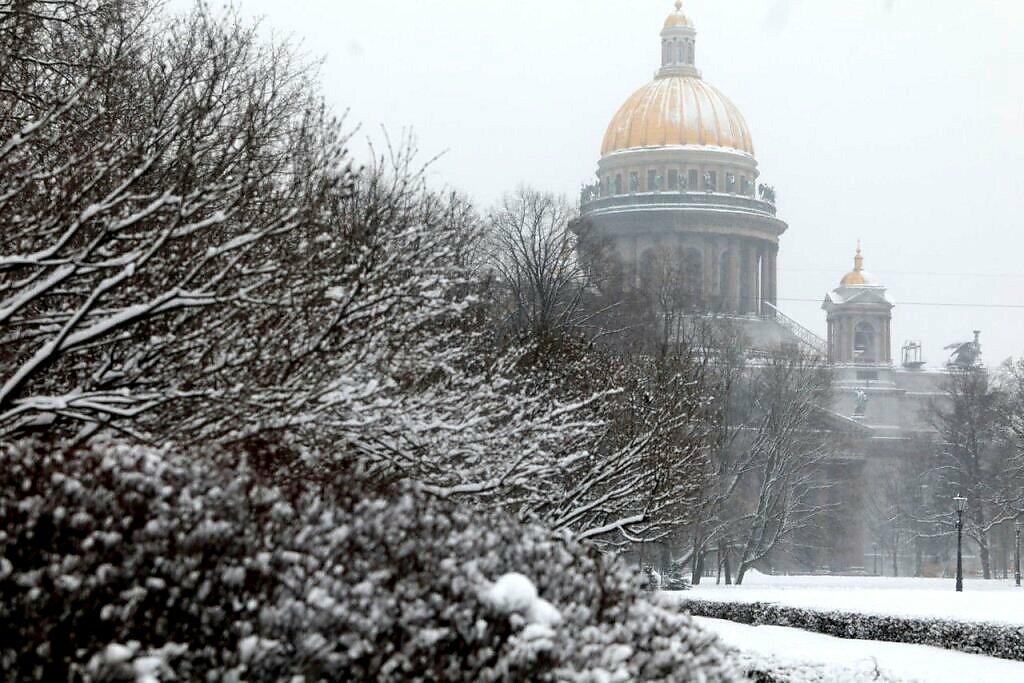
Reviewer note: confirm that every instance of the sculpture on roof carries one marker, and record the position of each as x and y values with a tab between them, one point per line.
966	354
862	404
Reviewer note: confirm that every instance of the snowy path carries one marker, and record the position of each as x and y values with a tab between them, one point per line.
994	601
905	662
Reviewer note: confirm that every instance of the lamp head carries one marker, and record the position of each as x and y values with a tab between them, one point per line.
961	502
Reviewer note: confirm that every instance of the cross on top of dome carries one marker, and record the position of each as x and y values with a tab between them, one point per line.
857	276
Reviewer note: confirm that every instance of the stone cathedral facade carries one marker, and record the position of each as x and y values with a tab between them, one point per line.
678	179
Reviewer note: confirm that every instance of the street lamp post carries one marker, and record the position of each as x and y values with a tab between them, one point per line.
961	504
1016	553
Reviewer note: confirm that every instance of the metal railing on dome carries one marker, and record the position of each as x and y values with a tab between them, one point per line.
590	201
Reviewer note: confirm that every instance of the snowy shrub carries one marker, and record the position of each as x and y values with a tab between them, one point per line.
122	563
675	577
996	640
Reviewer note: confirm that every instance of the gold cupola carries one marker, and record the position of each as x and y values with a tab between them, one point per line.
678	108
857	276
678	18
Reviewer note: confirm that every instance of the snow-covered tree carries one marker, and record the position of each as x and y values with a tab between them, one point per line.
154	175
976	456
532	250
766	456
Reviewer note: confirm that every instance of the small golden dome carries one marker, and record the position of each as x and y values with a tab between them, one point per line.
857	276
678	110
678	18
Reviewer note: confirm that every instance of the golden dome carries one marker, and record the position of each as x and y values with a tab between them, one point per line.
857	276
677	18
678	110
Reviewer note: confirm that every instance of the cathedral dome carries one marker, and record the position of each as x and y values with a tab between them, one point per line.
676	110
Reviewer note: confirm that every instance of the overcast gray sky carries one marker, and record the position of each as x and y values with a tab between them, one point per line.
900	122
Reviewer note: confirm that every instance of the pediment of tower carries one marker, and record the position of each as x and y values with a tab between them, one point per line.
861	296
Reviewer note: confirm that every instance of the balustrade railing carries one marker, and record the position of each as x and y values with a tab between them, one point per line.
590	202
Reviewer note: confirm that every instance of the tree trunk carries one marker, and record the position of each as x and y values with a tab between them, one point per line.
986	559
728	569
696	565
742	572
979	517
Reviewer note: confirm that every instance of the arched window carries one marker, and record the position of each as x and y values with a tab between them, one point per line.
864	343
689	52
726	291
666	52
682	53
693	273
618	183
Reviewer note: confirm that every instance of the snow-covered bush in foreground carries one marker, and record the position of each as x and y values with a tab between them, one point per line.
123	563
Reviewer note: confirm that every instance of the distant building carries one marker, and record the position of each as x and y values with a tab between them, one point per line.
678	180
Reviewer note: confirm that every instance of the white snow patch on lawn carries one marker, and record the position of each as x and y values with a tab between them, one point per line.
896	660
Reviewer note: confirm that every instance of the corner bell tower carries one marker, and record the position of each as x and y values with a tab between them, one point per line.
859	319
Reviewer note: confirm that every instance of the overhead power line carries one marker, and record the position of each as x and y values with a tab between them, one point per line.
943	304
908	272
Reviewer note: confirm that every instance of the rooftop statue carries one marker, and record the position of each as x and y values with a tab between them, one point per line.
862	404
966	354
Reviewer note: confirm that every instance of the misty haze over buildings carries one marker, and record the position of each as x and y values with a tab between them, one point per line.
894	121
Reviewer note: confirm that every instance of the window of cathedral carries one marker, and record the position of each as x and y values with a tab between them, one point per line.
652	181
693	273
710	181
682	53
618	183
634	182
725	268
673	179
693	179
864	343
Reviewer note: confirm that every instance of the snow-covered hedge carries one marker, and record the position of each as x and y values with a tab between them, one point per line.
122	563
997	640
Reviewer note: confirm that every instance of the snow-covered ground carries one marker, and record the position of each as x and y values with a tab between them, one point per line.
995	601
844	657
